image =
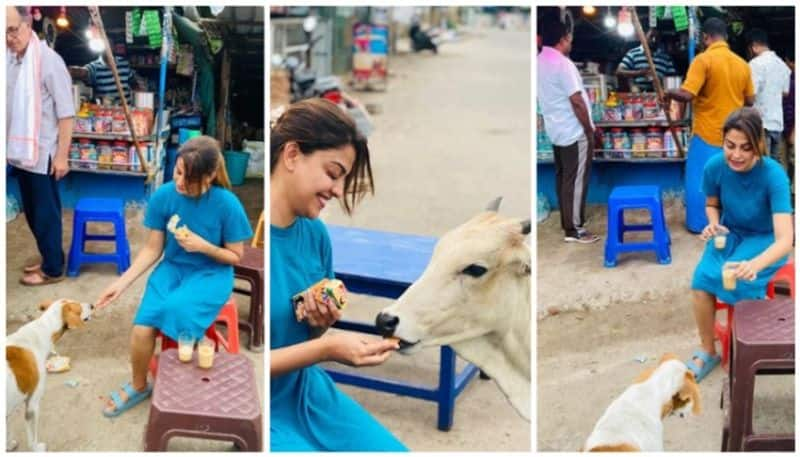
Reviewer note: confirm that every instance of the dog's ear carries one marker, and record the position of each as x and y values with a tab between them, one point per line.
667	356
692	390
45	304
667	407
644	375
71	315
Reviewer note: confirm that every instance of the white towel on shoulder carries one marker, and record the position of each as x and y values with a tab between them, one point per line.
23	133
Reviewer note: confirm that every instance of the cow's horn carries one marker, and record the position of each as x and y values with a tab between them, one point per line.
526	226
494	205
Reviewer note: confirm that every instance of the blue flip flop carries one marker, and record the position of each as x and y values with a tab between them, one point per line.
709	363
134	398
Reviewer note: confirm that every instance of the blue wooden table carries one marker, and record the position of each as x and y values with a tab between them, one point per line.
385	264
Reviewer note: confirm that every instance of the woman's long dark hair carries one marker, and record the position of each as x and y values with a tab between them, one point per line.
748	121
202	157
317	124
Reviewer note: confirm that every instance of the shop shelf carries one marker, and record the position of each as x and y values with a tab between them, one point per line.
641	123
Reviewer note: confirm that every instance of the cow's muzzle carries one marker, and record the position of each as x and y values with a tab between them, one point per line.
386	324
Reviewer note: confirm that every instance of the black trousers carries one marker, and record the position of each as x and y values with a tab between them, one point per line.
41	203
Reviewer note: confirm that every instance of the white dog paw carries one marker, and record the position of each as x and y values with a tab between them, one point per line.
11	445
39	447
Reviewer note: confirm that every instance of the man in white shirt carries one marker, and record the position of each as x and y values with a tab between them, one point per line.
771	82
38	180
567	121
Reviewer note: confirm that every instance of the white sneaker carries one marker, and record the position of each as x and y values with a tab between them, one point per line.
584	237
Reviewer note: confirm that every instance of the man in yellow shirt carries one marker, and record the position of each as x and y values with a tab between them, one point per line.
718	82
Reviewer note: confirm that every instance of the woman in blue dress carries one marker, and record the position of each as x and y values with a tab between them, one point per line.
315	155
747	193
200	226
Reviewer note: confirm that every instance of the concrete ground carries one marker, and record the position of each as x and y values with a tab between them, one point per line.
453	133
71	417
589	337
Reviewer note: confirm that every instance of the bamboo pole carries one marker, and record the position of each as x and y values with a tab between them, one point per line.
94	12
656	81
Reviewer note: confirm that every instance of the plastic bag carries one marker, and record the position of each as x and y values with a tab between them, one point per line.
12	208
542	207
255	167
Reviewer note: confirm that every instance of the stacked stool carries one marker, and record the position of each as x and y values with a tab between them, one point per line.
636	197
220	403
722	330
763	343
251	269
109	210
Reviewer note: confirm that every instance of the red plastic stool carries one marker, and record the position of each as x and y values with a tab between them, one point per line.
228	315
786	273
722	330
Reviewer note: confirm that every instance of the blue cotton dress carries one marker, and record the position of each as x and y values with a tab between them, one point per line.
186	290
748	202
307	411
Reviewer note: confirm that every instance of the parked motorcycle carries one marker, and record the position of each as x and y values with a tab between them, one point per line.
304	82
421	40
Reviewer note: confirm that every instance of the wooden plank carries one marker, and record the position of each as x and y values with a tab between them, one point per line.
222	109
94	12
656	81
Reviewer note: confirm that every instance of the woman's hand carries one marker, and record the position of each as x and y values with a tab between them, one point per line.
746	270
109	295
712	229
192	242
320	315
358	350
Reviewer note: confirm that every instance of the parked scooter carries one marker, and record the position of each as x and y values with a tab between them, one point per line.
420	39
304	81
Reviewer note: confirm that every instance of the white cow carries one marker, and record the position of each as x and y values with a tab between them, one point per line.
474	295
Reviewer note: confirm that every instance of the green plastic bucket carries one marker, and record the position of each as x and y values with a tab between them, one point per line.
185	135
236	166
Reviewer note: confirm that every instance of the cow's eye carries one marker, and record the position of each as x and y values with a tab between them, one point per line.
474	270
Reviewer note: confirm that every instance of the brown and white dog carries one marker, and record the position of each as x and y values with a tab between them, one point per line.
26	353
632	422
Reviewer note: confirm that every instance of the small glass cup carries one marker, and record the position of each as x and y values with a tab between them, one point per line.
729	275
185	347
205	353
721	238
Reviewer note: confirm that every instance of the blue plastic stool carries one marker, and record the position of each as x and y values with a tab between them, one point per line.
636	197
87	210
